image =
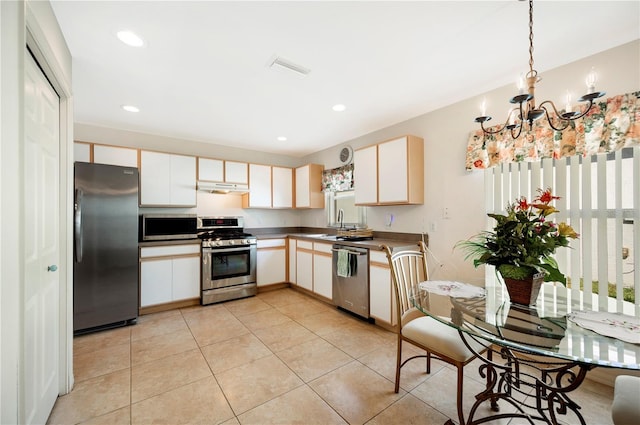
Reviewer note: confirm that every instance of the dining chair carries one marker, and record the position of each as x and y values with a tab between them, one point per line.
625	409
440	341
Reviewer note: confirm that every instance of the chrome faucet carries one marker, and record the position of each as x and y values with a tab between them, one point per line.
340	217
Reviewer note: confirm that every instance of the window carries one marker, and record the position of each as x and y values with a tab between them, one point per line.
353	216
601	200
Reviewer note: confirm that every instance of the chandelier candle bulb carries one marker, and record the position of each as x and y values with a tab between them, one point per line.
483	108
591	80
567	106
520	84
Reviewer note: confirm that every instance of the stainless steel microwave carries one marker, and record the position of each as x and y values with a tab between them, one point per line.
166	227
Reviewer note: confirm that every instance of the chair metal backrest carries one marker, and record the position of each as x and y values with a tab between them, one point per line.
408	268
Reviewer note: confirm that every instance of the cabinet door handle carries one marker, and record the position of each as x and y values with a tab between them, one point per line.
52	268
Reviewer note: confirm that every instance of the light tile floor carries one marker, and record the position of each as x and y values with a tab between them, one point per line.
278	358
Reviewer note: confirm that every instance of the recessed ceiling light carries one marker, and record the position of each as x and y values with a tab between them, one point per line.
130	38
282	139
130	108
339	107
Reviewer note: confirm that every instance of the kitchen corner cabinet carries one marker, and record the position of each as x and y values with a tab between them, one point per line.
391	172
167	180
269	187
271	261
382	302
308	185
169	273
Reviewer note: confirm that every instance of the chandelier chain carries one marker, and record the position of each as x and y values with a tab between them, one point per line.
531	37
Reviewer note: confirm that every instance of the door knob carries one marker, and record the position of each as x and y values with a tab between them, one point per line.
52	268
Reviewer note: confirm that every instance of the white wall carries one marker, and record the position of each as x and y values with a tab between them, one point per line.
445	133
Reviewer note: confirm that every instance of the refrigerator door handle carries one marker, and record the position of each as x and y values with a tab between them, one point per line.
77	225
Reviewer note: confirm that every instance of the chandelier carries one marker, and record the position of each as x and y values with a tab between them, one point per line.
528	112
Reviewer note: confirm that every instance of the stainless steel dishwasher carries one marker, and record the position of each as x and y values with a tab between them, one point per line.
351	289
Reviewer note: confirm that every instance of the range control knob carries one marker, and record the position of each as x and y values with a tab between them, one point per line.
245	241
232	242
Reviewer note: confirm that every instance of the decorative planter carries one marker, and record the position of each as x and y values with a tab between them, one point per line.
524	291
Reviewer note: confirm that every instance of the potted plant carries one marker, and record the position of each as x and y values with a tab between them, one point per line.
521	246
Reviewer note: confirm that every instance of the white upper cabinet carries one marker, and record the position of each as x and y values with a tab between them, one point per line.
365	170
259	195
282	193
113	155
236	172
309	186
82	152
211	169
103	154
390	173
167	179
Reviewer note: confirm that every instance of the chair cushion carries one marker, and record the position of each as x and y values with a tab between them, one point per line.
625	409
440	338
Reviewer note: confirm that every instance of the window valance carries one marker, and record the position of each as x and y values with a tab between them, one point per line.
612	124
338	179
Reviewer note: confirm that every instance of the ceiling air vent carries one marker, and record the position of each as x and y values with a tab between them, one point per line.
280	63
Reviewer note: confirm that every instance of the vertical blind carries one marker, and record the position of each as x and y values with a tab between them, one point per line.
600	199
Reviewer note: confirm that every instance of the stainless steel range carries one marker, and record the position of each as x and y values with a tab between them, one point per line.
228	259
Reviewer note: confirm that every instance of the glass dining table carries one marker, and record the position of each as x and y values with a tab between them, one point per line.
537	355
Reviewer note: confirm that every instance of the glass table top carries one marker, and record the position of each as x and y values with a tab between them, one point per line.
546	328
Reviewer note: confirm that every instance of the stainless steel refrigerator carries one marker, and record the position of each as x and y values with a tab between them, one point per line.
105	270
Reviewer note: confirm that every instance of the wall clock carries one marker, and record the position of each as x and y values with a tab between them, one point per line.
346	154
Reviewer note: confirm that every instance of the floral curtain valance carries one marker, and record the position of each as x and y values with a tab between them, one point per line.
338	179
612	124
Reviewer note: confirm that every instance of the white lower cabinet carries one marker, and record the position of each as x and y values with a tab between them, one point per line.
186	278
169	273
322	275
271	261
381	293
304	265
156	280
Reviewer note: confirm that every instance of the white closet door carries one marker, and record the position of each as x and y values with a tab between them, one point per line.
41	246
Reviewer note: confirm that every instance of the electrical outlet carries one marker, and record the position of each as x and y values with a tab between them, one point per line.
445	212
433	226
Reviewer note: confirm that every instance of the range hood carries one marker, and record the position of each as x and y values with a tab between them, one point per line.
232	188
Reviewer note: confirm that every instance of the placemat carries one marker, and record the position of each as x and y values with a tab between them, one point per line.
452	289
615	325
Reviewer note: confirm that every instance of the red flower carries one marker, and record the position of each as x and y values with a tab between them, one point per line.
477	163
523	205
545	196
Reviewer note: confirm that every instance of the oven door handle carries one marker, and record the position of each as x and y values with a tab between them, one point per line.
225	249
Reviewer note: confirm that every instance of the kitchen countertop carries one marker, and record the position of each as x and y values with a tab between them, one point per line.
375	243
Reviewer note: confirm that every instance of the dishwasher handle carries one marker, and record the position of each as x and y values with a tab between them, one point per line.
351	252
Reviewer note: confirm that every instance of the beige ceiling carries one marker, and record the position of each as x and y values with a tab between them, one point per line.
203	74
